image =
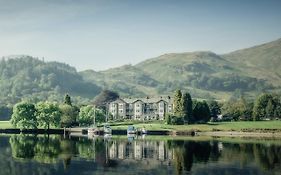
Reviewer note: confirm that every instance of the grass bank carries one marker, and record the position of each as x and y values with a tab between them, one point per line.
5	125
219	126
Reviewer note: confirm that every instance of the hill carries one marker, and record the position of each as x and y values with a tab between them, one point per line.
33	79
204	74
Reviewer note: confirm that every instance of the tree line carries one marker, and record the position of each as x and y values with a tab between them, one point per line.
267	106
51	114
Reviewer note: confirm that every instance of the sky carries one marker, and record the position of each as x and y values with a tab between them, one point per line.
102	34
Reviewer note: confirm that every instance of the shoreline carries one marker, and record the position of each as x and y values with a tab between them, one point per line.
251	133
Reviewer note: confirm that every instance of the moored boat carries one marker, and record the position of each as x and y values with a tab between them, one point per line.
131	130
107	129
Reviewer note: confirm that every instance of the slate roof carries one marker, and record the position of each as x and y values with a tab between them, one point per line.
149	99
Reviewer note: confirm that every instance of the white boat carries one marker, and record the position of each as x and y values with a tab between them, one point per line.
131	130
93	131
107	136
107	129
143	131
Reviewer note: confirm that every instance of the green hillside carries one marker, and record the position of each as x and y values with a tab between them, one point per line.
25	77
126	80
204	74
261	61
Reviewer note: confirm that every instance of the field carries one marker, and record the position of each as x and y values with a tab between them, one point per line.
220	126
5	124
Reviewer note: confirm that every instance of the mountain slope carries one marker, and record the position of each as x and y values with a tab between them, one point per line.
267	56
126	80
262	61
28	77
204	74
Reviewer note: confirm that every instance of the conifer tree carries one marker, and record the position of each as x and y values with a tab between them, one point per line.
187	107
178	108
67	100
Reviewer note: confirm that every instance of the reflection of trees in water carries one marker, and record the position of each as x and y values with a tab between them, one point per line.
23	146
267	157
188	152
50	150
47	150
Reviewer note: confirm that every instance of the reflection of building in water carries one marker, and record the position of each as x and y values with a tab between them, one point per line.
140	150
220	146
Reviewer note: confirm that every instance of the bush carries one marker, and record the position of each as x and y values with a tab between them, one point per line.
174	120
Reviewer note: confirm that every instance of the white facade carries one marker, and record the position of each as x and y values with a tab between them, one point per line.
141	108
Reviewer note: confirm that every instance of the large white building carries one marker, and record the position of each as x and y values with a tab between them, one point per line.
141	108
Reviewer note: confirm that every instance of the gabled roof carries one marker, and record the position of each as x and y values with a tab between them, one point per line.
149	99
119	100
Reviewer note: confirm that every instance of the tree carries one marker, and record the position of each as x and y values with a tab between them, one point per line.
69	114
238	109
277	112
48	114
215	109
269	110
86	115
67	100
24	115
201	112
178	107
105	97
187	107
260	106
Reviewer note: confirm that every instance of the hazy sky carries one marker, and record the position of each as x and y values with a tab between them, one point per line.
101	34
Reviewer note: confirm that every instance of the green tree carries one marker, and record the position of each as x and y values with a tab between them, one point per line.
201	112
238	109
178	107
269	110
105	97
48	114
277	112
69	115
67	100
259	110
215	109
24	115
187	107
86	115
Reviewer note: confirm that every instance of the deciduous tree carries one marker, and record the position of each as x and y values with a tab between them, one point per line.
24	116
47	114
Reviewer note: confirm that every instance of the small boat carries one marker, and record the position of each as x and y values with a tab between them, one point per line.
143	131
107	129
131	130
93	131
107	136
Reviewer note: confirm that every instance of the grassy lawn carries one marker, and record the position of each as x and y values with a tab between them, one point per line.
5	124
221	126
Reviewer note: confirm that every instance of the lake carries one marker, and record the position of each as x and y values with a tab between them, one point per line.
56	155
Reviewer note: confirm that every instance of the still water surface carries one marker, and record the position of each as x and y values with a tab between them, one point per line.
55	155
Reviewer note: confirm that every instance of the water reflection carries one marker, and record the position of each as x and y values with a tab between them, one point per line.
29	154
